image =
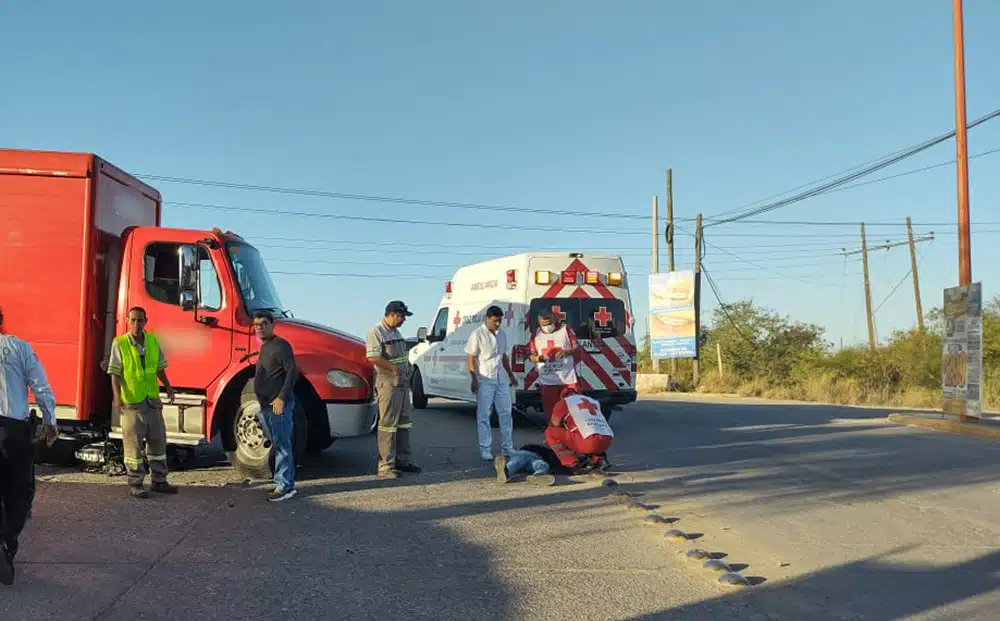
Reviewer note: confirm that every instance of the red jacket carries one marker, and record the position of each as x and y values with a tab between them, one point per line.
563	434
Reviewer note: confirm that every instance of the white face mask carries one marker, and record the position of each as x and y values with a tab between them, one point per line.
549	329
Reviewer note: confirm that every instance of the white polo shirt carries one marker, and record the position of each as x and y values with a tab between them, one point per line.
489	349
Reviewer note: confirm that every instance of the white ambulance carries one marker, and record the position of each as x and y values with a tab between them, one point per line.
587	292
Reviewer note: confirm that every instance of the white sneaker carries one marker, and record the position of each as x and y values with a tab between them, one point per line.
486	455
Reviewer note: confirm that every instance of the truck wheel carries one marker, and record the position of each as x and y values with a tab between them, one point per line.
417	390
254	454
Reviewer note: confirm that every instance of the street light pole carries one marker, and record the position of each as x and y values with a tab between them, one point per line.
961	146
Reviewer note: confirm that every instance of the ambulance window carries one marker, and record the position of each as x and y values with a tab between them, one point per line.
601	319
440	327
594	318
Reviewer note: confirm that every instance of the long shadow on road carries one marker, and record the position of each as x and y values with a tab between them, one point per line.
786	455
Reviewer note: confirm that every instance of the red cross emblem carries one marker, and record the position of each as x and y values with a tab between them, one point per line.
561	316
550	347
602	316
457	321
587	406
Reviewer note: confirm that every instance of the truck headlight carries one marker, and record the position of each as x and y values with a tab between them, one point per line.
343	379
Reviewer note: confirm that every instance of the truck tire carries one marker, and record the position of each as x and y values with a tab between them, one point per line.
254	455
417	390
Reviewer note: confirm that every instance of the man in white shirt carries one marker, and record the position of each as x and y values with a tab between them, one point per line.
19	370
487	350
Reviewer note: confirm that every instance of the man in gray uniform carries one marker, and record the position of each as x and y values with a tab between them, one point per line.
387	351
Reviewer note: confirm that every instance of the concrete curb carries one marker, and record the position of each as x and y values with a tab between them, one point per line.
985	430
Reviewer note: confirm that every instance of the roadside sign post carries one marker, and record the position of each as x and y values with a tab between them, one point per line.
962	351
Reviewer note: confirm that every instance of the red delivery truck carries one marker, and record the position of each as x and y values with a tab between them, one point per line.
82	243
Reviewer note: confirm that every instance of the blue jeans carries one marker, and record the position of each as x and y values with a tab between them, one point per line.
280	429
496	393
523	461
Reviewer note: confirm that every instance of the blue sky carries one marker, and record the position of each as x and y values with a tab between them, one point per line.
576	105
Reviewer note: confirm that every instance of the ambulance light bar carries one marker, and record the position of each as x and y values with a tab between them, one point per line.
615	279
447	288
569	278
511	279
543	277
593	278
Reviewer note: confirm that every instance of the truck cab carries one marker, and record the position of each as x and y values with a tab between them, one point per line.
200	290
83	243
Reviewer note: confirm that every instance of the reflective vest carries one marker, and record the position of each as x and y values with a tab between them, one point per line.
557	372
139	382
583	415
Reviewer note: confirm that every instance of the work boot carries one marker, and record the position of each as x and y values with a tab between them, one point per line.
408	466
387	475
7	565
138	491
500	463
162	487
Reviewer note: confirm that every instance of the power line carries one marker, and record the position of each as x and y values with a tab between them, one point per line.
308	214
526	210
846	179
392	199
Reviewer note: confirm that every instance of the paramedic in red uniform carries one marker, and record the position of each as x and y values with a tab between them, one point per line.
552	349
578	433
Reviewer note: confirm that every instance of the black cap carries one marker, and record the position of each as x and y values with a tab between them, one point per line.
396	306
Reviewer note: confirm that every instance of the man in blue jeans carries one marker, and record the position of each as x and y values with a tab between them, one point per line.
537	461
274	385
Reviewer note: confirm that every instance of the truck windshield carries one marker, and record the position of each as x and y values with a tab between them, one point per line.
256	286
589	318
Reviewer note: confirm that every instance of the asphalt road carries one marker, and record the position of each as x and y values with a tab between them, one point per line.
828	511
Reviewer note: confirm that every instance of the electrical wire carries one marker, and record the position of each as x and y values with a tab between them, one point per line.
852	176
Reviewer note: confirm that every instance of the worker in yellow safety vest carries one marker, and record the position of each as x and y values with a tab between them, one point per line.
135	365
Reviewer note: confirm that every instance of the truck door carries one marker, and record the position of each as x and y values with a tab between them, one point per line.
197	351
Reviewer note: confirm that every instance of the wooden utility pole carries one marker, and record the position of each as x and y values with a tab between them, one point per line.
718	356
697	299
913	270
670	219
868	290
656	262
670	239
961	147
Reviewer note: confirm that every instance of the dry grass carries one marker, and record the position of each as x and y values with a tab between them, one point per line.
828	388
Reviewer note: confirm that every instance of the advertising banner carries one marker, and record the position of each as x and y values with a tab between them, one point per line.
962	350
673	325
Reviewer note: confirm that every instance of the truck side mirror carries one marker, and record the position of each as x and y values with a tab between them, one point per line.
187	257
422	334
187	300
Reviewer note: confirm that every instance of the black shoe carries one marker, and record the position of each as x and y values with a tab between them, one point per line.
279	495
6	566
408	466
163	488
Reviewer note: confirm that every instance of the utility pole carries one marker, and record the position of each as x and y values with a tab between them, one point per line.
656	259
961	146
670	219
868	290
913	270
670	240
697	299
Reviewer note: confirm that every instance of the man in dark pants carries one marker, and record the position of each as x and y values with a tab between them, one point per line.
274	385
19	370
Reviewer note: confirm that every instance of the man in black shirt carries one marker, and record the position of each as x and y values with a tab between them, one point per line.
274	383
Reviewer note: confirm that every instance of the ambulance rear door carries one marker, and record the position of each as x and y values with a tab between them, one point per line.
590	294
